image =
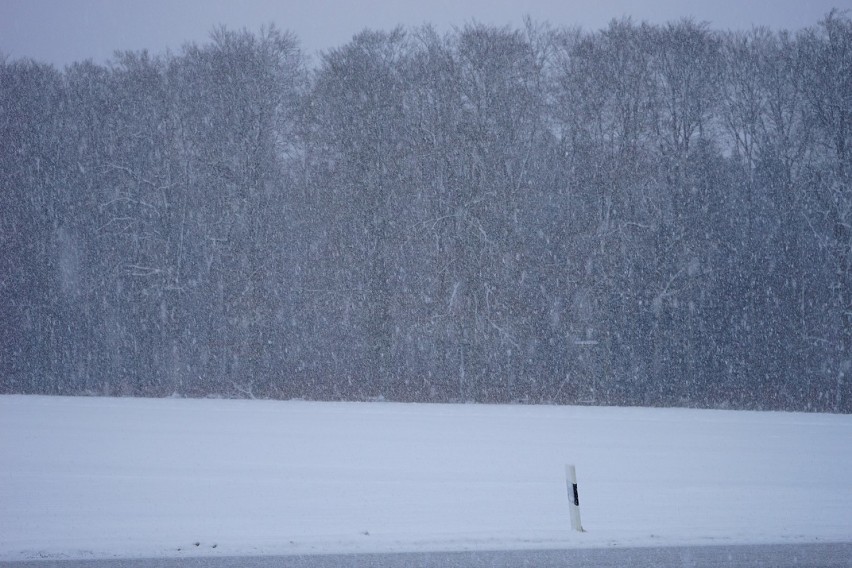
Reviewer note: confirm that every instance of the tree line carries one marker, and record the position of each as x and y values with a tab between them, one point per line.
640	215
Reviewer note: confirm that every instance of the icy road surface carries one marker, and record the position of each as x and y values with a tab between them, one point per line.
132	478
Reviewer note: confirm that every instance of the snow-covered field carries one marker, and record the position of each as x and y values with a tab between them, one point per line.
101	477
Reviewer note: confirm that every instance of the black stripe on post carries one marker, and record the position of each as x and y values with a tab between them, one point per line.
576	496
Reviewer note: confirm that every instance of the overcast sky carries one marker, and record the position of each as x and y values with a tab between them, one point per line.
63	31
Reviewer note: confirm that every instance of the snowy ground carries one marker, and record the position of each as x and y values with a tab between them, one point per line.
99	477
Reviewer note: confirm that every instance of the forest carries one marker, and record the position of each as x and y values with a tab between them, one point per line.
655	215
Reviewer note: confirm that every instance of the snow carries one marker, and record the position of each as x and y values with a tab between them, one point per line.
104	477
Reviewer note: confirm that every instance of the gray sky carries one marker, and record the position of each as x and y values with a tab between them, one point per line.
63	31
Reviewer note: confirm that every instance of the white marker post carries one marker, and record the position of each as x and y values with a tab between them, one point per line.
573	497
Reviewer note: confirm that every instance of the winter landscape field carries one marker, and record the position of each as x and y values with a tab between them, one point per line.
107	477
441	259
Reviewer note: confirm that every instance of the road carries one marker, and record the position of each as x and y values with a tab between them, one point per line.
751	556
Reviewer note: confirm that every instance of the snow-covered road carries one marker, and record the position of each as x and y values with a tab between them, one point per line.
98	477
829	555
